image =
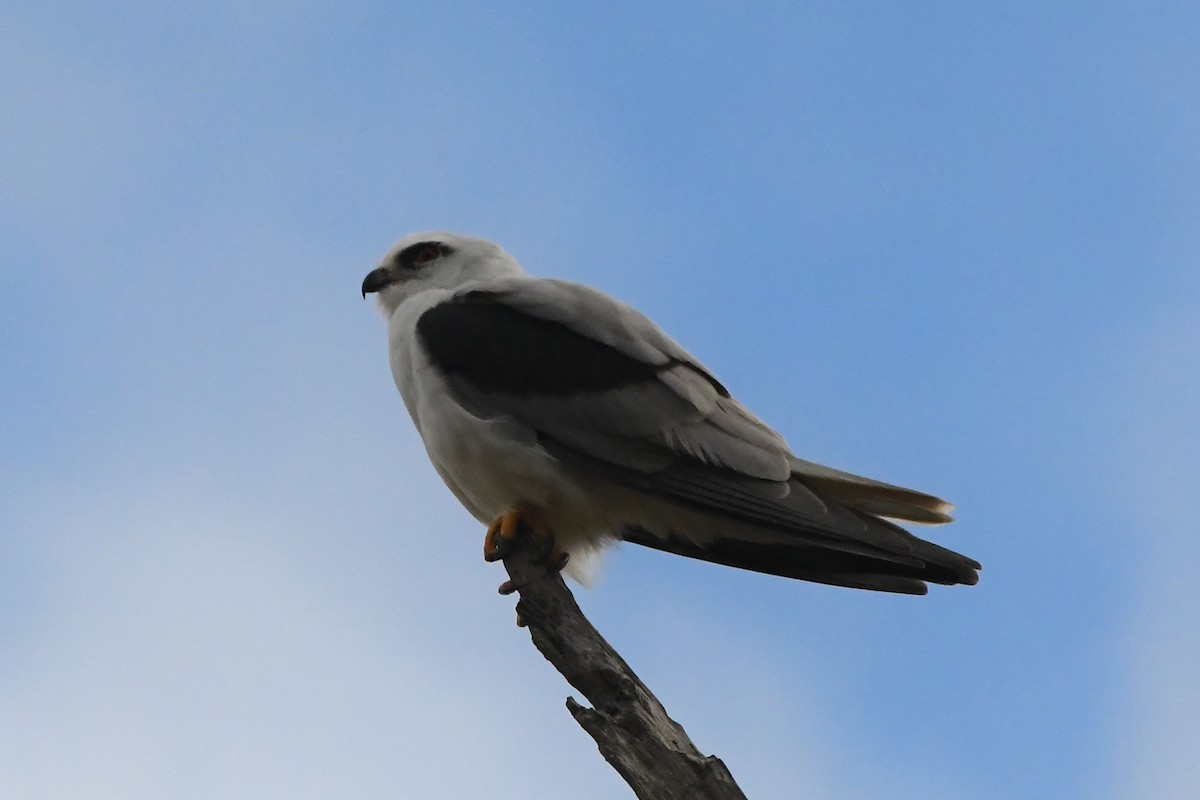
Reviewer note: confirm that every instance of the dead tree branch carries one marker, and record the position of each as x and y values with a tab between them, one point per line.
649	749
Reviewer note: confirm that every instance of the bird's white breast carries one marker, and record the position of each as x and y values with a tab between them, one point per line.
491	465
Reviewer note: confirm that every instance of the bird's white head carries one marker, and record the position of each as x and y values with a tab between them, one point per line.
435	260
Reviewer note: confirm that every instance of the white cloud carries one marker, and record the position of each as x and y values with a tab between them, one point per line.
183	649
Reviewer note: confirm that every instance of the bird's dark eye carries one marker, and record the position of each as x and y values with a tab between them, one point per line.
418	255
427	253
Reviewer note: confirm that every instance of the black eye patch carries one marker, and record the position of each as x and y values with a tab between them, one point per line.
418	255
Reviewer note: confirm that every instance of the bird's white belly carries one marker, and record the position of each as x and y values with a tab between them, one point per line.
488	464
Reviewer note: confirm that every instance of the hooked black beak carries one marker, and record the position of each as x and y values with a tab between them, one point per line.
376	279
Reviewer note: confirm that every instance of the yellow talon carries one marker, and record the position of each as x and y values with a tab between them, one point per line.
504	531
500	535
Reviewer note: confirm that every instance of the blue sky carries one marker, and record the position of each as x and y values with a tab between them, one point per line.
951	246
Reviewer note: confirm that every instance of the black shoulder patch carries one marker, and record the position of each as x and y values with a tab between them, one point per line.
498	348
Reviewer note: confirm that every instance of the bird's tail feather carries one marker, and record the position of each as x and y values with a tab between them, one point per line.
871	496
790	558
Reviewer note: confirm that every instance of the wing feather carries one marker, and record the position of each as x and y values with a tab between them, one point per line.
594	374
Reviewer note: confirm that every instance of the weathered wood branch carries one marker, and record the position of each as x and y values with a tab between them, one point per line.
649	749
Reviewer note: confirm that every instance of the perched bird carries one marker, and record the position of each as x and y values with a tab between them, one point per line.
551	404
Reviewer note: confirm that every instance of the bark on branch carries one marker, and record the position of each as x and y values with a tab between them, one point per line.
649	749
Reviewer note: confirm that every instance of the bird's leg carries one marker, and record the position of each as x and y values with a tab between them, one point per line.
503	533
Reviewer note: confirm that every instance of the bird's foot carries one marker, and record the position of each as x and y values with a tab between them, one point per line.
502	534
